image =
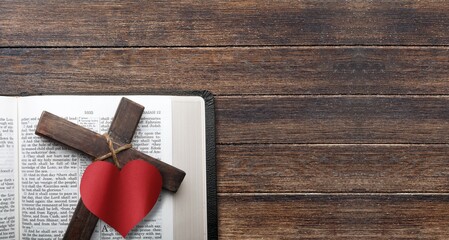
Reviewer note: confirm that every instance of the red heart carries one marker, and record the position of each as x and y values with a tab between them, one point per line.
121	198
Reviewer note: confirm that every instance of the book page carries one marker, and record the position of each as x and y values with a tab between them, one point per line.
8	168
50	173
189	154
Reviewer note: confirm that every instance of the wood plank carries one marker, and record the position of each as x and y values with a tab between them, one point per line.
334	217
289	168
222	23
299	70
332	119
80	223
125	121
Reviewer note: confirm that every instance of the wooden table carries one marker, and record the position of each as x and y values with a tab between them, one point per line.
332	119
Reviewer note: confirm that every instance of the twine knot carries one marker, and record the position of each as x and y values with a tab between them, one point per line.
113	152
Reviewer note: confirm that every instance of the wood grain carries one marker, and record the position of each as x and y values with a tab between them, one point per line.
289	168
223	23
334	217
273	70
125	121
82	223
332	119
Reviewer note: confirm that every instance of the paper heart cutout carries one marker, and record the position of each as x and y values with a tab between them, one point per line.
121	198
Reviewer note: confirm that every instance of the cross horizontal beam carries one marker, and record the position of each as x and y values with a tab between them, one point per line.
94	145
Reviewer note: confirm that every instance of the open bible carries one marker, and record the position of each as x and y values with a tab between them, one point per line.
39	179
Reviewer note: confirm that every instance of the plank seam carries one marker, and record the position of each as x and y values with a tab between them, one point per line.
335	95
341	144
445	46
332	144
237	194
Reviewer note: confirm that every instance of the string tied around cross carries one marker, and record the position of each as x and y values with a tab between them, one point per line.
113	152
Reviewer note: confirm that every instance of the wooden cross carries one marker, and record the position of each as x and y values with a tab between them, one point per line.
121	131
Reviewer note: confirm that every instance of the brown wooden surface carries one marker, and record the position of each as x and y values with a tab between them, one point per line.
334	216
333	168
332	117
223	23
224	71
